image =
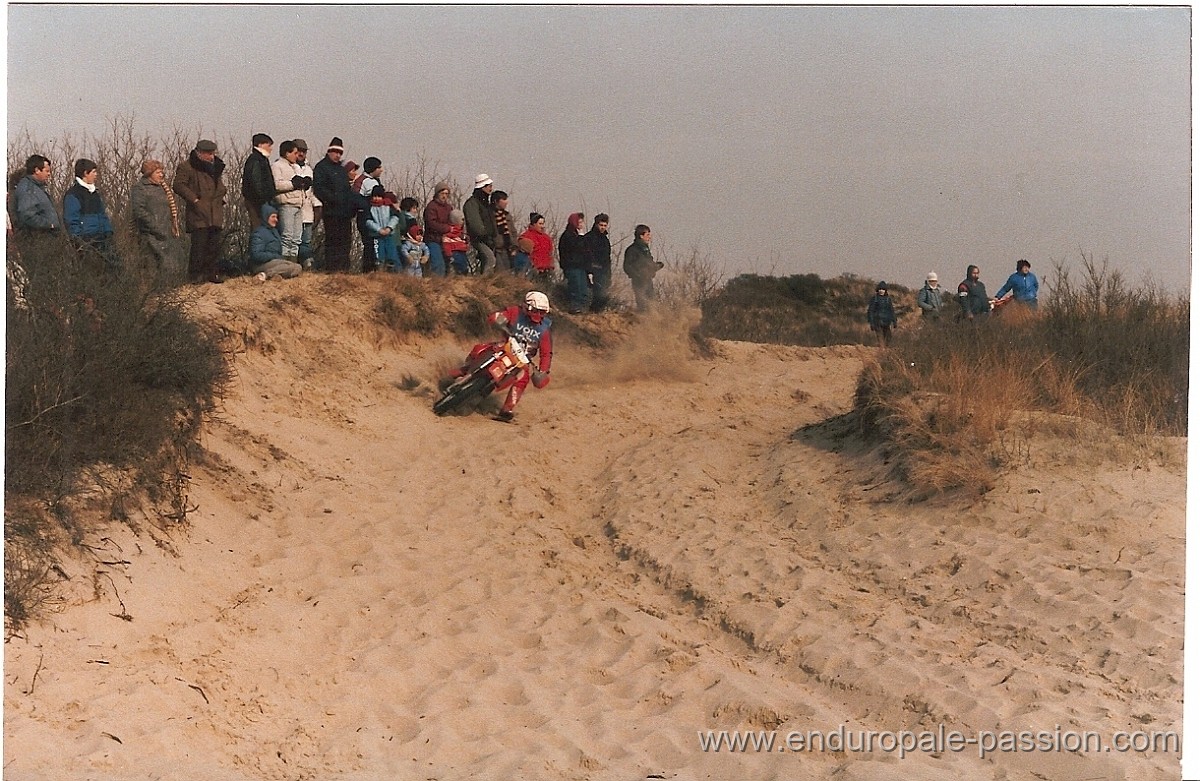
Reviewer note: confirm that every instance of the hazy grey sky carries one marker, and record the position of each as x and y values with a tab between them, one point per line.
886	141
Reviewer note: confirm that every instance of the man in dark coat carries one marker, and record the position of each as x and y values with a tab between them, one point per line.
641	267
338	205
198	183
973	297
480	221
33	211
258	183
599	250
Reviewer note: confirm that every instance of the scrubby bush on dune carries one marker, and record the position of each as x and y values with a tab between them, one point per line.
800	309
955	399
106	385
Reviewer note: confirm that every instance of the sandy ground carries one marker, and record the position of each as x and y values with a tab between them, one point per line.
658	547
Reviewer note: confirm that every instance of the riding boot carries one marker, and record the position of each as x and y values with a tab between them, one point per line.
514	395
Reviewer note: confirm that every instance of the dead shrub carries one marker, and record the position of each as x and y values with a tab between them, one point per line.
103	380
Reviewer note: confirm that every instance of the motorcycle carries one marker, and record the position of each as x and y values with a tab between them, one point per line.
495	368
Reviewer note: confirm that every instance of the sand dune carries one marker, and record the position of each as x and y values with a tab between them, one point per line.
659	546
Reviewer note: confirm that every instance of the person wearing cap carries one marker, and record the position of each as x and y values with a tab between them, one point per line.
258	184
379	224
157	221
481	223
437	225
365	184
881	315
1023	284
198	184
414	251
929	298
338	204
310	206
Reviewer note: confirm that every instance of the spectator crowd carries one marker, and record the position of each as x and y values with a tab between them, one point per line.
179	222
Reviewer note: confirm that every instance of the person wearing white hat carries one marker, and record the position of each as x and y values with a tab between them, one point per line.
930	298
480	221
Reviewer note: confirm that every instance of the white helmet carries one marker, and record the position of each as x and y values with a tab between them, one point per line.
538	301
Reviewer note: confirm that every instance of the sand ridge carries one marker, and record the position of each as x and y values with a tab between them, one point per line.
660	545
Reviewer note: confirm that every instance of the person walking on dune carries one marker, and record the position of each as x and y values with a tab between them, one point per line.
929	299
881	315
1023	284
972	297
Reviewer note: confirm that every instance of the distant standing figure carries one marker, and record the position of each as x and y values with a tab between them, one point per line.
929	298
881	315
973	297
1023	284
266	249
198	183
599	249
258	184
573	260
86	217
641	267
331	186
481	223
437	225
33	210
156	219
541	256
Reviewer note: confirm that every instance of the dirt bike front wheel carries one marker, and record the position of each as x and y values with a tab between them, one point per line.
460	393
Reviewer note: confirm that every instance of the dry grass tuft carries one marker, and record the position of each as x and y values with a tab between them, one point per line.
956	398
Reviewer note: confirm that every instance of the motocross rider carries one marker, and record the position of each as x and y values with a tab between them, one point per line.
530	325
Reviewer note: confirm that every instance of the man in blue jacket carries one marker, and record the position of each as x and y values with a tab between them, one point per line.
86	218
1023	284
